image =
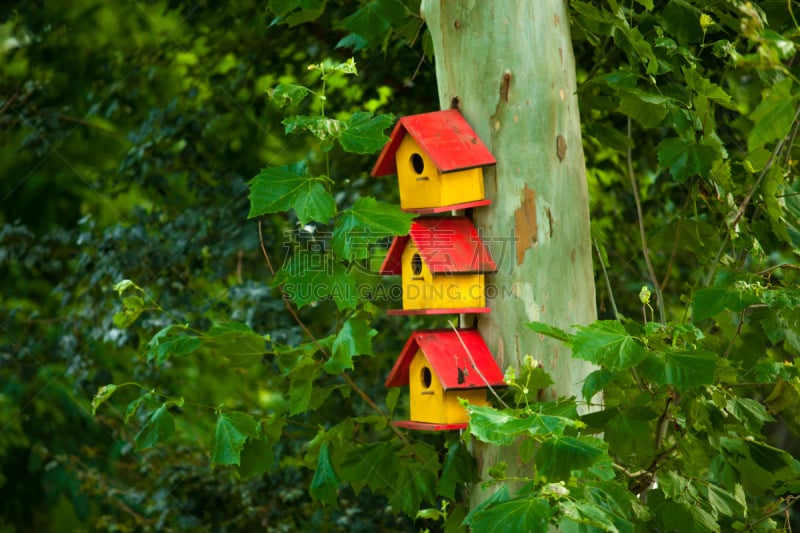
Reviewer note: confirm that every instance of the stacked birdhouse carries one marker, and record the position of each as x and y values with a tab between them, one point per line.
442	262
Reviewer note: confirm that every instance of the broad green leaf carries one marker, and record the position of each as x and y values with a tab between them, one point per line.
751	413
774	115
363	133
230	433
595	382
373	21
417	472
301	385
606	343
294	12
637	47
685	158
648	109
102	395
286	94
256	458
682	20
325	484
528	513
551	331
503	428
784	394
559	455
159	427
367	222
174	346
705	87
312	276
683	368
279	189
711	301
124	285
458	468
648	4
630	433
355	338
133	406
323	128
236	342
372	464
586	514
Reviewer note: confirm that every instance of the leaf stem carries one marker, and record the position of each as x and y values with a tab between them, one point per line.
640	218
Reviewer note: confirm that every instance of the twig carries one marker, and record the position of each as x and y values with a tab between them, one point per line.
747	199
640	217
347	379
10	100
475	366
608	282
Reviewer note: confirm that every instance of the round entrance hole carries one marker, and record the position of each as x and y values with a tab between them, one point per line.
417	163
416	265
426	377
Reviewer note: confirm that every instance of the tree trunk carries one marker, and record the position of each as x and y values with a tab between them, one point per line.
509	67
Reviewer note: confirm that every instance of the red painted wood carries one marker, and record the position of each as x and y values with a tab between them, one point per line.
445	208
458	311
425	426
451	362
444	135
448	245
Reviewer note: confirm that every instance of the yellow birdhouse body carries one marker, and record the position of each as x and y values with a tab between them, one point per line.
423	186
438	160
441	367
442	262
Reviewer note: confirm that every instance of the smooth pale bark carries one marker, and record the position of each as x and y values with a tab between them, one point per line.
508	66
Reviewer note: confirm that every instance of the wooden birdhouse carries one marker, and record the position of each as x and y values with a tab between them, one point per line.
442	262
440	366
438	160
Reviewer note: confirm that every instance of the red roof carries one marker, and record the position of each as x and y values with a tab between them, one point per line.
448	245
451	354
444	135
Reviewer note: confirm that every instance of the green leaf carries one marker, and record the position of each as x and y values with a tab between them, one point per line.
550	331
372	464
285	94
705	87
774	115
134	406
325	484
124	285
559	455
178	345
159	427
103	394
502	428
311	276
325	129
528	513
230	433
367	222
683	368
595	382
256	458
458	468
355	338
587	514
373	21
301	385
685	158
236	342
294	12
363	133
279	189
648	109
417	470
606	343
712	301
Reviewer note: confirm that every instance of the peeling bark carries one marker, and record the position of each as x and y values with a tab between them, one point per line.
538	187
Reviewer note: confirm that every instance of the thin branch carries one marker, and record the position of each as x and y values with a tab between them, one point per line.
608	282
746	201
640	218
360	392
475	366
10	100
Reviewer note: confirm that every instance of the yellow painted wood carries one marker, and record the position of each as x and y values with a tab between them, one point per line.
430	403
425	290
422	185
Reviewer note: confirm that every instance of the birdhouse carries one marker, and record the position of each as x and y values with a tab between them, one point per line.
440	366
438	160
442	262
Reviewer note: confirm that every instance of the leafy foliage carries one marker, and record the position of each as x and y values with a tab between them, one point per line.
230	388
